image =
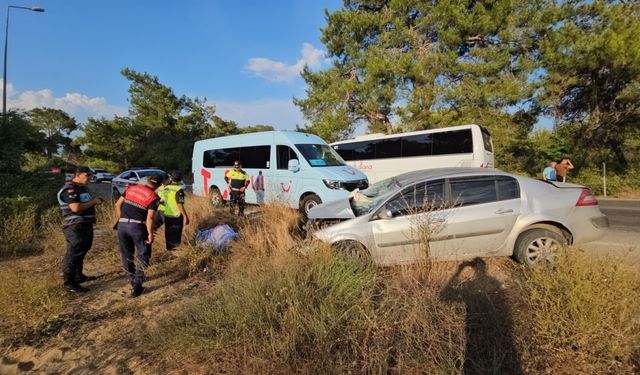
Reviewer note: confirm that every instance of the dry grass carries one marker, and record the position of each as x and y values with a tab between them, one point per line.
583	316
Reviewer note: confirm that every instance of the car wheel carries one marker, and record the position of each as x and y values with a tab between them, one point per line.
308	202
115	195
215	196
539	245
352	248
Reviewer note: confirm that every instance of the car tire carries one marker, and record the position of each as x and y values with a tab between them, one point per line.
308	202
115	195
353	249
215	196
539	245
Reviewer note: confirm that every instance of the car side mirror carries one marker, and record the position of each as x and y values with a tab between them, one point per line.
294	165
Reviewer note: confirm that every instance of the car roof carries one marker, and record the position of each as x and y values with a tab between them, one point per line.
427	174
144	170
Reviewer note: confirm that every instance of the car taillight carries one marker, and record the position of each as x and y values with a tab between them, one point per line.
586	199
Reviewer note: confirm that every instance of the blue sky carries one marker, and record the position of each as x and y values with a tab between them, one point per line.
243	56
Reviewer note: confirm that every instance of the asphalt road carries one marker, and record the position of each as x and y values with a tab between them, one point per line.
624	214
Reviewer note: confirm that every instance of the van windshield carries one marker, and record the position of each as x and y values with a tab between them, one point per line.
362	202
320	155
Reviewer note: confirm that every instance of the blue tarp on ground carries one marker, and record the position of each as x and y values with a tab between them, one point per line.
217	238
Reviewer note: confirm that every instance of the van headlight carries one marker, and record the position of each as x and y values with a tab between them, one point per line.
331	184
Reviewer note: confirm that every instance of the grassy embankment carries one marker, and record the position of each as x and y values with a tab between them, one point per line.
281	305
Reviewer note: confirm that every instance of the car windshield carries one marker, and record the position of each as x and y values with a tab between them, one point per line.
320	155
362	202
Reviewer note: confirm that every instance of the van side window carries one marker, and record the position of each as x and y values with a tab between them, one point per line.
255	156
285	153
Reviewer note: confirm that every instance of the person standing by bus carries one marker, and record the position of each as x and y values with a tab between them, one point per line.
237	181
135	211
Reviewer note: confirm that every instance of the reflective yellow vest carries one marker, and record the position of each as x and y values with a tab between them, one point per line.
168	196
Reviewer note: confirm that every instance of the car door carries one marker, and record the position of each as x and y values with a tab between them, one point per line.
286	184
402	228
122	181
480	214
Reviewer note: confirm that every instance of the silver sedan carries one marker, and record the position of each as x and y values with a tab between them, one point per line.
459	213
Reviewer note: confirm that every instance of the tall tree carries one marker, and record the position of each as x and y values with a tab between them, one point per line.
18	137
56	125
592	59
428	64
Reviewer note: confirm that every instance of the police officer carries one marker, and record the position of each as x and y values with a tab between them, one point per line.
237	181
78	217
172	210
135	211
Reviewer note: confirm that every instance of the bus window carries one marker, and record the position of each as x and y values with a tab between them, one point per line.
452	142
388	148
417	145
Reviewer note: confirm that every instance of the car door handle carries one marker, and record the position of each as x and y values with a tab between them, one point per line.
503	211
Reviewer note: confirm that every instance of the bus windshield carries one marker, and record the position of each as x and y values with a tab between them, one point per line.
320	155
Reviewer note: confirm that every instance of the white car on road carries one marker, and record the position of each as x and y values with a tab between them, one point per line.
460	213
100	175
131	177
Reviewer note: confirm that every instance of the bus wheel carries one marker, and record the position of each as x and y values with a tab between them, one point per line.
215	196
308	202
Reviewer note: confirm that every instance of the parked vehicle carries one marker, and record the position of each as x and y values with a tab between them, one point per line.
100	175
380	156
131	177
297	169
458	213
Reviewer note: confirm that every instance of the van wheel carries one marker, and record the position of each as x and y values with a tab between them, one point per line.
308	202
537	246
353	249
215	196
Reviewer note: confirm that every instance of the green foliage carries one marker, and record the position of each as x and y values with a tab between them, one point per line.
18	137
56	125
592	60
431	64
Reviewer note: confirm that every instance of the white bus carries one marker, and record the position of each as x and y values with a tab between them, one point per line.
380	156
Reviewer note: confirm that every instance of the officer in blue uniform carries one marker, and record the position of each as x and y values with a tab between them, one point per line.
78	217
135	211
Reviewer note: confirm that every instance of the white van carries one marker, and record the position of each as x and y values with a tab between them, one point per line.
297	169
380	156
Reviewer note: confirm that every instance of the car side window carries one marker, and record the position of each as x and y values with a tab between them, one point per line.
134	175
508	188
466	191
421	197
125	175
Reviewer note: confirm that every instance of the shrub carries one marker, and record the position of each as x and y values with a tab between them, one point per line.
582	316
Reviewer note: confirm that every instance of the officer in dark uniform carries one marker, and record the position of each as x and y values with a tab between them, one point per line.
237	181
135	211
78	217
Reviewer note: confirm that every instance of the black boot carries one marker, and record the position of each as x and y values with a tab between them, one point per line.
74	287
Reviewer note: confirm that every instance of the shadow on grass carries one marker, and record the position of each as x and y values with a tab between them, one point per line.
490	347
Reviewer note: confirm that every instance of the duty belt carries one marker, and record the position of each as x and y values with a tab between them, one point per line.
125	220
